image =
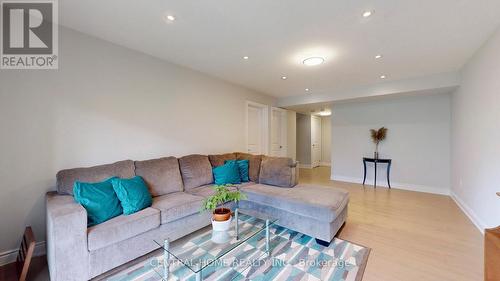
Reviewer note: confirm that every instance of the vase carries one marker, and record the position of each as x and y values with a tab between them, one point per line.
221	225
221	214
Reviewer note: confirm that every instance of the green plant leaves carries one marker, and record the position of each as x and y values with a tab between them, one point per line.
222	195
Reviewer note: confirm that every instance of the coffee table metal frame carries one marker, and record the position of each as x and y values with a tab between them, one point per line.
199	275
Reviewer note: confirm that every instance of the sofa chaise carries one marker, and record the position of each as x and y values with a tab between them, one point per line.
178	186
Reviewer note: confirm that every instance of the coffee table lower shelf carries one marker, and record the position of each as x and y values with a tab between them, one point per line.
243	228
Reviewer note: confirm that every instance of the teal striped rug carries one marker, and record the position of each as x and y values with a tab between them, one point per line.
295	257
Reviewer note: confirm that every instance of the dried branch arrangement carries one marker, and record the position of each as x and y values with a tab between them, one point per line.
377	137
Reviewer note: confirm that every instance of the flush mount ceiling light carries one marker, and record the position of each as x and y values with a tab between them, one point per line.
168	18
378	56
307	89
307	54
383	76
245	57
367	14
312	61
283	77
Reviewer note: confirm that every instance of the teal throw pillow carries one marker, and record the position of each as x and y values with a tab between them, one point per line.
227	174
243	169
99	199
132	193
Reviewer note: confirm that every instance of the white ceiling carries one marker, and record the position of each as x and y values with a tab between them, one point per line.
417	38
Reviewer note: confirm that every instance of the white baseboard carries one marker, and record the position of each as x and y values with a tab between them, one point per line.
468	212
309	166
11	255
396	185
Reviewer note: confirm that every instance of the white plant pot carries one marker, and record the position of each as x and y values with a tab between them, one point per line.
221	225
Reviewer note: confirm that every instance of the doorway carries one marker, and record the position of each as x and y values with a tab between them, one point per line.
315	141
279	146
312	139
256	128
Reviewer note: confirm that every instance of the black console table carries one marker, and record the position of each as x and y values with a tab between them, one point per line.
375	163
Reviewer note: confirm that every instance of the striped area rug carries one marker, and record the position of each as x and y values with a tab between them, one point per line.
295	257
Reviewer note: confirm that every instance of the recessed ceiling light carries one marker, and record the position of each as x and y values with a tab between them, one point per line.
313	61
378	56
367	14
284	77
245	57
383	76
170	18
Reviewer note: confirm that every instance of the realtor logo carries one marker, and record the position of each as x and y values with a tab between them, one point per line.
29	35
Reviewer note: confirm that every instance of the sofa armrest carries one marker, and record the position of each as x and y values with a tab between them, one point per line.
67	252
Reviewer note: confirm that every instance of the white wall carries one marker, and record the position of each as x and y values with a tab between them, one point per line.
476	137
418	141
291	120
304	139
105	103
326	140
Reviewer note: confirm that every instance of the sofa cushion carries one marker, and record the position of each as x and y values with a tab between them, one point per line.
228	173
253	164
195	170
66	178
277	171
99	200
242	168
161	175
177	205
122	228
208	190
132	193
319	202
220	159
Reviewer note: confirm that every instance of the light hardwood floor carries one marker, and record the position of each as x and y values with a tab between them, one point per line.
413	236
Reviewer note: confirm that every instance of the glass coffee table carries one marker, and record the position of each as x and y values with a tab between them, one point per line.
205	247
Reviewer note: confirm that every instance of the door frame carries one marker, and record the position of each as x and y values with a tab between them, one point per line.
283	132
265	125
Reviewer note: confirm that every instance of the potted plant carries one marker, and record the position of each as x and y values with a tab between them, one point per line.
378	136
221	216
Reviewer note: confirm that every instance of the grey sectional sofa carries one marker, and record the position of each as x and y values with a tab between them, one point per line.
178	186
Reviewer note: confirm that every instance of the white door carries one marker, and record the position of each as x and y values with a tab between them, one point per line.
315	141
256	118
278	132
